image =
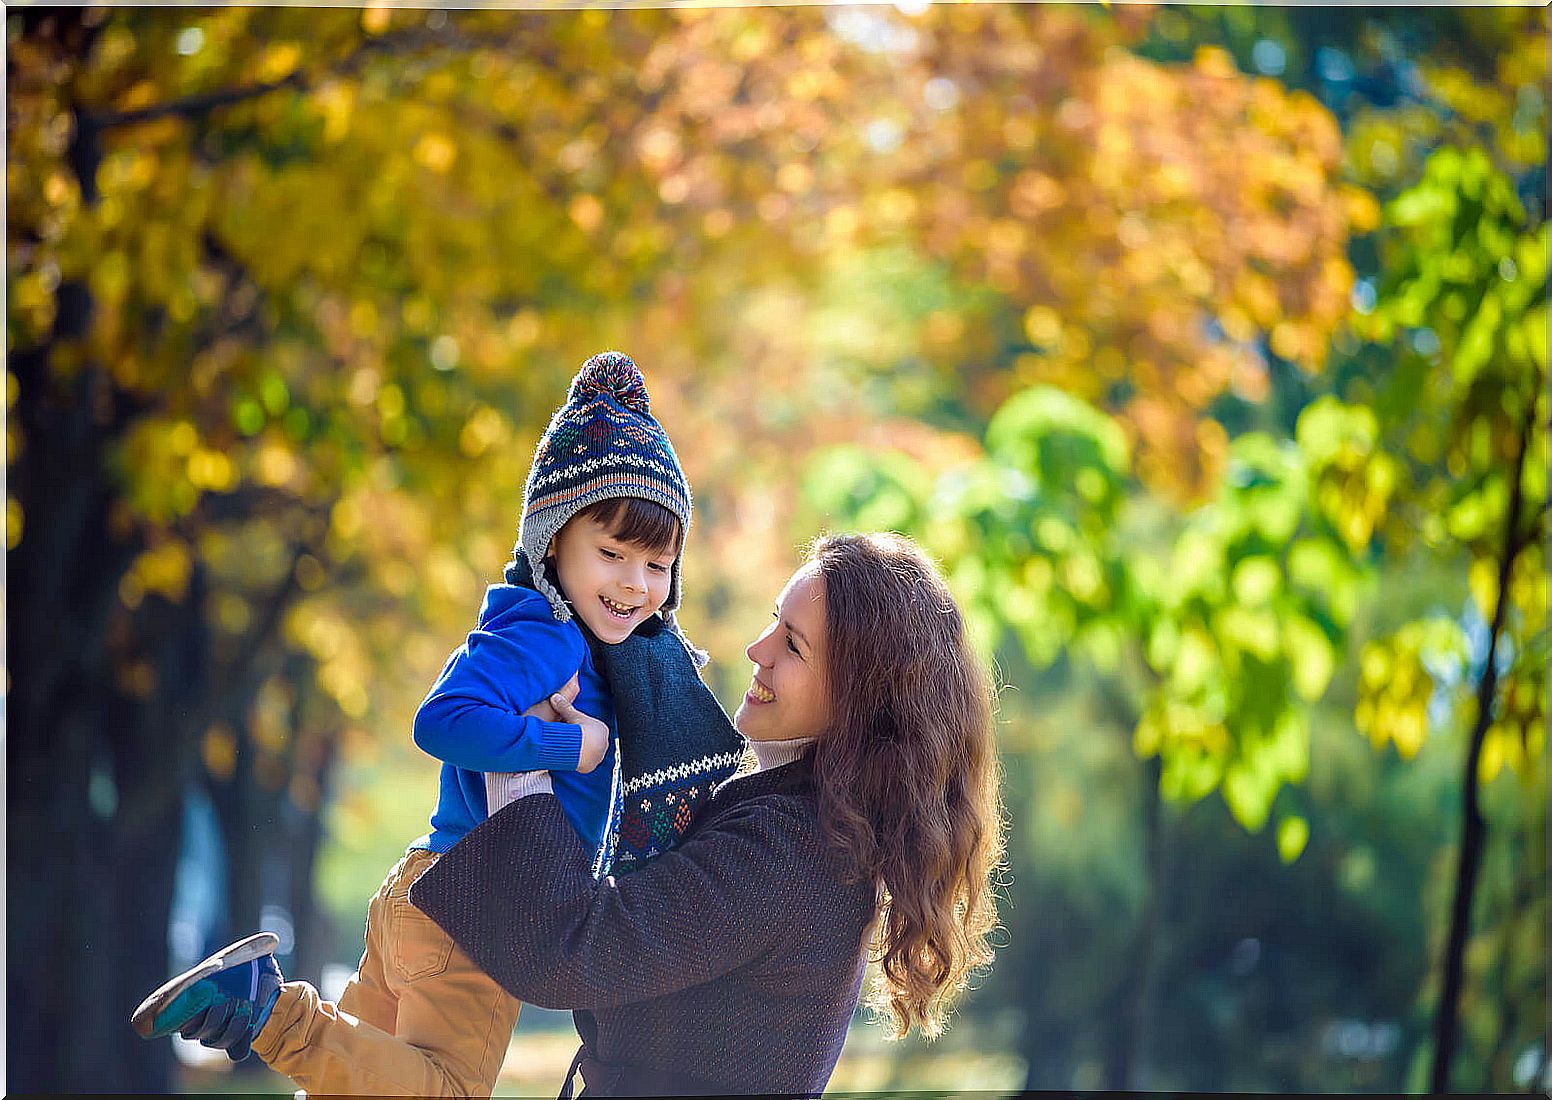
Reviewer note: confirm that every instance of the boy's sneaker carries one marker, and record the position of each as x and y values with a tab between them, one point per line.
222	1002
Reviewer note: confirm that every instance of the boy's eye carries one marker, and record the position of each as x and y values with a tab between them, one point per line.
610	554
661	568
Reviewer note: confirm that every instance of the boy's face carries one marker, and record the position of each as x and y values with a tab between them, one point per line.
612	585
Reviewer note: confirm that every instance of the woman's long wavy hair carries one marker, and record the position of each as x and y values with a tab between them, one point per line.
907	773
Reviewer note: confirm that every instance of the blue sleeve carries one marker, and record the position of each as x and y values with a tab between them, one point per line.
519	654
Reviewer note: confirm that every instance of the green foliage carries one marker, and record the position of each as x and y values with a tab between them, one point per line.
1219	637
1464	311
1355	480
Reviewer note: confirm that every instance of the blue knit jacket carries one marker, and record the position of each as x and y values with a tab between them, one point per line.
472	718
675	742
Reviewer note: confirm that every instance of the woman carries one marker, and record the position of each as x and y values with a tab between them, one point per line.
734	962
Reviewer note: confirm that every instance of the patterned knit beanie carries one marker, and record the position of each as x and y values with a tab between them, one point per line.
602	443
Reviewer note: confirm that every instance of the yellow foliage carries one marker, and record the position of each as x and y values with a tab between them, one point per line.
1043	326
278	60
1395	685
163	569
587	212
218	750
208	469
485	428
13	522
375	18
1482	579
1213	61
675	183
1363	210
275	465
436	152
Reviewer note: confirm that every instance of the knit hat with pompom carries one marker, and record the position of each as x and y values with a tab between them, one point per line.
601	443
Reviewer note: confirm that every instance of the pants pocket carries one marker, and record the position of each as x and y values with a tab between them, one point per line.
420	948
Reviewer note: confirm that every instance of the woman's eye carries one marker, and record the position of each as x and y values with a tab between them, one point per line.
793	647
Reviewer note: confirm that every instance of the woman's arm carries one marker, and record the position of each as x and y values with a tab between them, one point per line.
553	936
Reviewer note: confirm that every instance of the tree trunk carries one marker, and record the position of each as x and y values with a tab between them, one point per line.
108	705
1127	1027
1446	1023
96	757
313	755
98	749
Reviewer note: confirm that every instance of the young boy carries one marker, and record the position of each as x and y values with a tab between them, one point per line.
605	511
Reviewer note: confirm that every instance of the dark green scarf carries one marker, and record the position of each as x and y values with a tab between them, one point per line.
675	740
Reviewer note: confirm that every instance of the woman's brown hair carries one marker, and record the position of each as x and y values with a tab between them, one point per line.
907	774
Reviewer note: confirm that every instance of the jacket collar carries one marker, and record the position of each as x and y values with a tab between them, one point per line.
788	779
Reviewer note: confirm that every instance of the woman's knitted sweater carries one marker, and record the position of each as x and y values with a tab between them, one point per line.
735	959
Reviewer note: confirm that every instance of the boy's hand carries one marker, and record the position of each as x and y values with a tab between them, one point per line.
595	735
546	713
558	708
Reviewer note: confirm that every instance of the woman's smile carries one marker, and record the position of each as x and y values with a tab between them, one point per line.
790	652
759	693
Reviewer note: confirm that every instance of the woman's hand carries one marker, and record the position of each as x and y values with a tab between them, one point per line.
558	708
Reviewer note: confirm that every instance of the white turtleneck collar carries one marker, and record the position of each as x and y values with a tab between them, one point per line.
773	754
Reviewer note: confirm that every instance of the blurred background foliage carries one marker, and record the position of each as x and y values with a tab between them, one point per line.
1205	347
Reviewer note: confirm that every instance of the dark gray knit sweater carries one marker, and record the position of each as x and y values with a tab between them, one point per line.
735	959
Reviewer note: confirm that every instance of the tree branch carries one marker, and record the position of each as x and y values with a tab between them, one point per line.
192	107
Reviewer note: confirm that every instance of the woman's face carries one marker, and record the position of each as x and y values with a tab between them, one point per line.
789	696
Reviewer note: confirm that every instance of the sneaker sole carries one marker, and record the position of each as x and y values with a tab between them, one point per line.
233	954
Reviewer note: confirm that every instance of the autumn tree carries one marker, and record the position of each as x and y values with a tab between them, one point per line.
292	293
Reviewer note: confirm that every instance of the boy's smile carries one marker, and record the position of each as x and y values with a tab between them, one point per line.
620	610
612	585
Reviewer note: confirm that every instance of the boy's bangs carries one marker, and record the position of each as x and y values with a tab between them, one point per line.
638	521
